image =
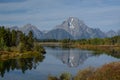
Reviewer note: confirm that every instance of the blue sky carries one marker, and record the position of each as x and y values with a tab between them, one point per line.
46	14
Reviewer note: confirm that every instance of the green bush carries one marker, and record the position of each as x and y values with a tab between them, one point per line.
39	48
7	49
21	47
65	76
52	78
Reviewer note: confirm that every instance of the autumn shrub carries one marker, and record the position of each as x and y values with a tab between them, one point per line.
109	71
84	74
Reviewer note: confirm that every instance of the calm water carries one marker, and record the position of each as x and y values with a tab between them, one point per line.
57	60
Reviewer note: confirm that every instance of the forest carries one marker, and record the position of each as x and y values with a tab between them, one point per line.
12	41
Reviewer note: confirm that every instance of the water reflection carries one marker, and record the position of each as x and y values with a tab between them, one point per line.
56	61
22	64
74	57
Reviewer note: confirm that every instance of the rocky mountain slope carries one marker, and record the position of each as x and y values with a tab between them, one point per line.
72	28
58	34
79	30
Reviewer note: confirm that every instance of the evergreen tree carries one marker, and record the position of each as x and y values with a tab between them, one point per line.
14	37
30	40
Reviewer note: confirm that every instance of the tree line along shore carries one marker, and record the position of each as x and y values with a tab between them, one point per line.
15	43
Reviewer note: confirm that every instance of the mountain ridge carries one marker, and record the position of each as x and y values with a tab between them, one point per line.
72	28
79	30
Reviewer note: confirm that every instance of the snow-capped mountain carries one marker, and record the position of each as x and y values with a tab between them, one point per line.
79	30
72	28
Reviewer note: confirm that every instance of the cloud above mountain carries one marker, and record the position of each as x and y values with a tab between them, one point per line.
104	14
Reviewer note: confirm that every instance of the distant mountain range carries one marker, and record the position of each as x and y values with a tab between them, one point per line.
72	28
28	27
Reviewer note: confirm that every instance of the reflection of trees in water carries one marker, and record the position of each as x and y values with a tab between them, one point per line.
74	57
115	53
112	52
22	64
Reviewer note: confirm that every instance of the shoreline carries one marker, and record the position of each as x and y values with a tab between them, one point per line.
12	55
74	44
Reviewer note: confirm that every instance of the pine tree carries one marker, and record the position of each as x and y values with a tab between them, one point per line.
30	40
14	37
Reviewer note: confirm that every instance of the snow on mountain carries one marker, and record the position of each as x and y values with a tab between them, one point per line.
72	28
79	30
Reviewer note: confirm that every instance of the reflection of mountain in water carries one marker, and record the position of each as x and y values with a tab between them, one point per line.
73	57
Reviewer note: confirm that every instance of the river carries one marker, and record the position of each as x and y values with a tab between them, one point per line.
56	61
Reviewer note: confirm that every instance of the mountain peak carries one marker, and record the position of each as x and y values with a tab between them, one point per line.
71	21
14	28
29	26
78	29
74	18
74	22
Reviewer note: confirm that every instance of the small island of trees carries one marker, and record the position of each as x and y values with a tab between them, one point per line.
16	43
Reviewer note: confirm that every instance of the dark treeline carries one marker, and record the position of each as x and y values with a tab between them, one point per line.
48	40
95	41
17	39
98	41
110	46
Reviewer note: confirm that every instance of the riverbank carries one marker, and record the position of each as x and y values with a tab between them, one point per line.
113	50
109	71
77	45
4	55
14	52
